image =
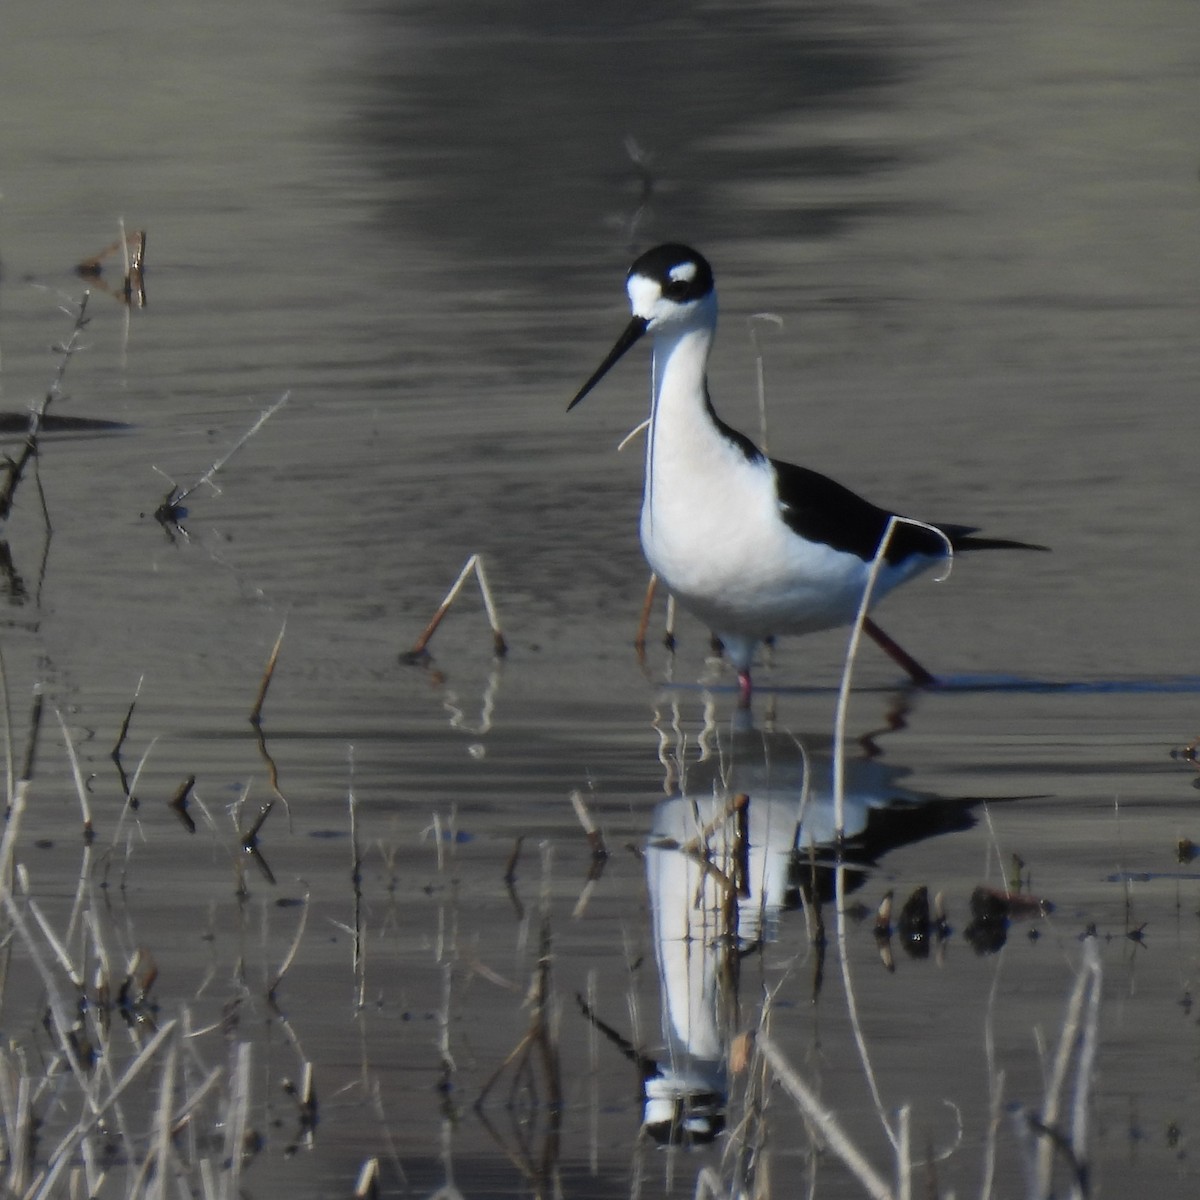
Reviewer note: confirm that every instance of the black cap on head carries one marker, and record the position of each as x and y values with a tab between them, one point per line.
681	272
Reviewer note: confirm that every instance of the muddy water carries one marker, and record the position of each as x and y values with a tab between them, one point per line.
980	232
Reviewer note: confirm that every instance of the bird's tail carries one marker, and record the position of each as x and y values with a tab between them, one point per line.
962	538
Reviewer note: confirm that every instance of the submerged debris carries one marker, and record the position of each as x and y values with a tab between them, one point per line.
133	252
993	911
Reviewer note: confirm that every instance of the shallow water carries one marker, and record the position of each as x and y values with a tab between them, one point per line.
979	231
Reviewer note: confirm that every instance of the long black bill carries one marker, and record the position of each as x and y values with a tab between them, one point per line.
633	331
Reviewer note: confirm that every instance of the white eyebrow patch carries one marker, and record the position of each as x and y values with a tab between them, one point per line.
684	273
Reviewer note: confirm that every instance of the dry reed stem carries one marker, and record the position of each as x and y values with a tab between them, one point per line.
130	790
161	1152
1079	1032
65	1150
904	1154
268	674
634	433
839	798
293	949
540	1034
133	288
1086	1063
10	766
474	564
995	1088
366	1186
77	773
824	1121
236	1122
590	828
123	732
122	735
260	735
358	934
35	728
852	1007
14	468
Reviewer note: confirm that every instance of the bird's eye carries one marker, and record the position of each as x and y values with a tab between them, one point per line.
676	289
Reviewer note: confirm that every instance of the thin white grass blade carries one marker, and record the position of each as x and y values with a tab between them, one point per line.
904	1155
20	1138
10	765
60	951
80	789
1086	1063
163	1124
193	1101
852	1007
1058	1072
488	603
65	1150
293	950
843	704
995	1087
235	1129
634	433
457	585
82	894
11	828
133	786
759	368
208	1185
207	477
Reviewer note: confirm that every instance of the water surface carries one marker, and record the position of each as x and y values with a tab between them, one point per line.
979	231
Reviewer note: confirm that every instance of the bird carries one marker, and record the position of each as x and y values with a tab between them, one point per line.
751	545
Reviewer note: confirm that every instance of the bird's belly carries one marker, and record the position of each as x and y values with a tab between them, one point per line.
741	570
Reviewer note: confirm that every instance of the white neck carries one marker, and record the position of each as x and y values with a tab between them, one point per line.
681	435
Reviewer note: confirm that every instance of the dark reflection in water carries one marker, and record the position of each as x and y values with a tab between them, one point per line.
499	128
749	834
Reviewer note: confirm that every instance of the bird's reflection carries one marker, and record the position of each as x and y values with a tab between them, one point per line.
747	833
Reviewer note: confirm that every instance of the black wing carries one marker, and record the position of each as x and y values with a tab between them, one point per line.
822	510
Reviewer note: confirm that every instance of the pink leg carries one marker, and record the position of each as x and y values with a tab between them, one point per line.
896	652
745	687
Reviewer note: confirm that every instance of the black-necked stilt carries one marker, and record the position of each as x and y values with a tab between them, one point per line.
750	545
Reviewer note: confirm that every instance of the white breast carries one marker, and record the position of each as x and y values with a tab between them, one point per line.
713	531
